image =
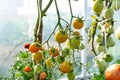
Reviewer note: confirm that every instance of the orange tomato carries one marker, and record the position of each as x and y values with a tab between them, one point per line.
43	75
66	67
34	47
27	69
113	72
53	52
78	23
37	56
61	36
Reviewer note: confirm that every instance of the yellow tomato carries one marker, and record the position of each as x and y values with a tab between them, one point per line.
37	56
61	36
49	63
66	67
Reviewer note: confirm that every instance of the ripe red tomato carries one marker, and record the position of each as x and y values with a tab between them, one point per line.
26	46
27	69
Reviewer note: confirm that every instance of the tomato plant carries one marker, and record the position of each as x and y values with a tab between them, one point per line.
23	66
60	58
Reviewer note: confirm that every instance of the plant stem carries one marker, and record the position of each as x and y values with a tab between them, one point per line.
71	13
70	8
37	23
58	14
93	49
40	26
93	36
48	5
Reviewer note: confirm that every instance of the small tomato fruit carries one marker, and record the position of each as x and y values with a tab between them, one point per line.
107	57
78	23
66	67
27	69
49	63
98	6
34	47
73	42
53	52
71	76
101	64
26	46
61	36
38	56
43	75
108	13
112	72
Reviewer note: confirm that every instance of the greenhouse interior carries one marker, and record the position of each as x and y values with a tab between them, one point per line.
60	40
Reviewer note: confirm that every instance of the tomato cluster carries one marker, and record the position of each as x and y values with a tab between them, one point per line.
52	57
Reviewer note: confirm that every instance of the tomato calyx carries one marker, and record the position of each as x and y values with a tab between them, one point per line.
80	19
75	33
63	32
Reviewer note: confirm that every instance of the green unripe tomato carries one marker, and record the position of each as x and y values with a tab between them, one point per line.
101	64
110	42
100	48
73	42
98	6
71	76
66	51
99	38
81	46
110	30
38	68
60	59
108	57
108	13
